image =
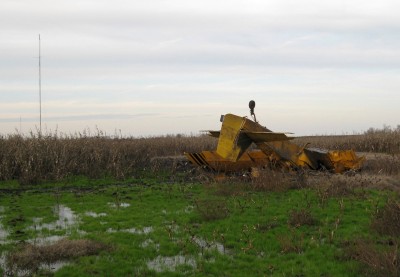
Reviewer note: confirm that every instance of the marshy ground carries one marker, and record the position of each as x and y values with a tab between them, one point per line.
276	225
159	220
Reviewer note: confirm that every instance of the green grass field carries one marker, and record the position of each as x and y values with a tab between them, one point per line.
151	227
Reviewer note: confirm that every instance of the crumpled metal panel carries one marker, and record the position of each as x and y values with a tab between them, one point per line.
238	133
345	160
214	162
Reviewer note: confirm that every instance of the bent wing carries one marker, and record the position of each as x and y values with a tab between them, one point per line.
257	136
214	134
266	136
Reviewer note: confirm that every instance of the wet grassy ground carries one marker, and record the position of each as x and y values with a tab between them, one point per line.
191	229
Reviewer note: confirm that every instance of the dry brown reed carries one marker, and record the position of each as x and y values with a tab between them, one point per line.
279	181
385	140
298	218
382	164
386	221
377	261
36	158
52	157
291	242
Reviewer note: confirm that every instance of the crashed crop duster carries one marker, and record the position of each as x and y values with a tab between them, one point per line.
238	133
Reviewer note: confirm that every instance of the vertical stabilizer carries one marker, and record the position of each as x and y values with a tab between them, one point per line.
228	147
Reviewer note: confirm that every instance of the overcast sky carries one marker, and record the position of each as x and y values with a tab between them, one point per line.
164	67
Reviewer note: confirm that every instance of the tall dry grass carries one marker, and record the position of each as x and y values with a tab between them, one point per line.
385	140
32	159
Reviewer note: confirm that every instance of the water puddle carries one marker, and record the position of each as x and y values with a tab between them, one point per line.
150	243
118	205
161	264
3	234
93	214
53	267
189	209
144	231
66	220
46	240
205	245
171	228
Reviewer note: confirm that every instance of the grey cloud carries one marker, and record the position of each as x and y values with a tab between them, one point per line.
166	51
79	117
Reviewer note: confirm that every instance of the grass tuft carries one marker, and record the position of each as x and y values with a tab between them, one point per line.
28	257
301	217
387	219
212	209
380	261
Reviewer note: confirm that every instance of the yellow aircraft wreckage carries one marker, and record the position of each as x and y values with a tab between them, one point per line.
238	133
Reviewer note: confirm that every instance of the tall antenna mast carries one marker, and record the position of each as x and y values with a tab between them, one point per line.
40	91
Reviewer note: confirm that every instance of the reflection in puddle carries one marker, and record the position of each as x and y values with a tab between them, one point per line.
93	214
144	231
161	263
46	240
66	219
